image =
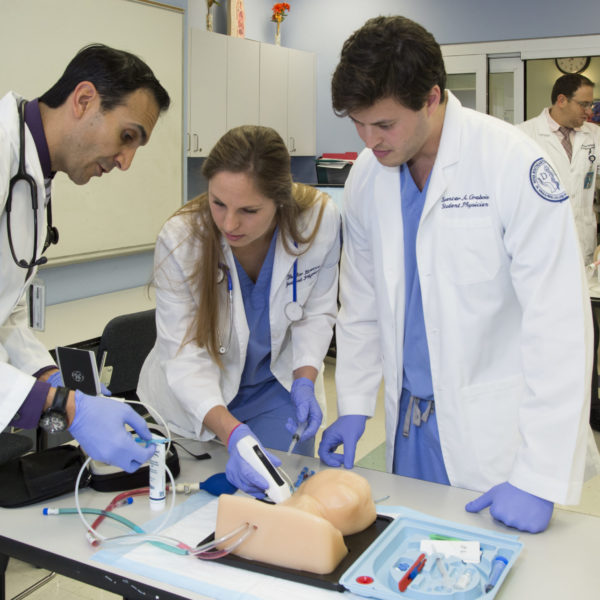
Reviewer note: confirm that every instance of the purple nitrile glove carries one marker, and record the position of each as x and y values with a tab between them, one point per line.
99	426
307	408
347	431
239	472
515	507
56	380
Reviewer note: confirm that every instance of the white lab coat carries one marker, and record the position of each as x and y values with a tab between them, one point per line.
586	143
507	312
181	380
21	353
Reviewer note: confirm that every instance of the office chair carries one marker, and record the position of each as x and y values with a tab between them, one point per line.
127	340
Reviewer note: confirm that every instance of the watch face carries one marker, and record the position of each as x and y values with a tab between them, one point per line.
574	64
53	421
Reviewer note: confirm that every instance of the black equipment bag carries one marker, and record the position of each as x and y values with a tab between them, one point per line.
41	475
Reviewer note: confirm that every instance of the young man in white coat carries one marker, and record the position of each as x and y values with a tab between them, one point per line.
458	251
572	144
92	120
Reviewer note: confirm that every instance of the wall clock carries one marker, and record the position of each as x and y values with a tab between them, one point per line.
574	64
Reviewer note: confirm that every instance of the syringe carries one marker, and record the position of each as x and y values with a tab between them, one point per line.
297	435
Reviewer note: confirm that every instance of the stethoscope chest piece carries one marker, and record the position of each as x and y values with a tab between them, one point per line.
293	311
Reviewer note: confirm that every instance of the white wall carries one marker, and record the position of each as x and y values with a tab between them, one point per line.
321	26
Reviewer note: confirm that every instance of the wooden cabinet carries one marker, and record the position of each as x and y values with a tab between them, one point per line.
274	88
288	96
234	81
242	81
207	87
302	117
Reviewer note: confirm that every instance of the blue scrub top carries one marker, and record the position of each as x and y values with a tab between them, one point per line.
416	369
254	395
419	455
262	402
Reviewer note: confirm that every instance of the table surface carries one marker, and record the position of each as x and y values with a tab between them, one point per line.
562	562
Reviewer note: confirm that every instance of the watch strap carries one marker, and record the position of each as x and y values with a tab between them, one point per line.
60	399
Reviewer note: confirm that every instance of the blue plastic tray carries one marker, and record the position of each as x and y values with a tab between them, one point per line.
376	573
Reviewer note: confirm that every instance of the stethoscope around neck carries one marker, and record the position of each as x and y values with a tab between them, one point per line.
293	310
22	175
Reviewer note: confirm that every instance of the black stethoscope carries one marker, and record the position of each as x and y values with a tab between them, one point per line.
293	310
52	233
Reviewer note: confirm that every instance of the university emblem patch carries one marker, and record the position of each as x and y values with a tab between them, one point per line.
545	181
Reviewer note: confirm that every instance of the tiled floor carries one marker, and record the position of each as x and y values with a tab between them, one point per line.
369	453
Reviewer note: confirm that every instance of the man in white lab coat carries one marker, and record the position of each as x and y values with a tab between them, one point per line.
458	251
572	144
93	119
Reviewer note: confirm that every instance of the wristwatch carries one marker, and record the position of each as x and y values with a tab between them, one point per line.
55	419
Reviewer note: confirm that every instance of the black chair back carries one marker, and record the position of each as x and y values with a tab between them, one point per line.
127	340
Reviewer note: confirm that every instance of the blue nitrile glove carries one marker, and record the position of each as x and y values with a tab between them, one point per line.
239	472
515	507
56	380
346	430
99	426
307	408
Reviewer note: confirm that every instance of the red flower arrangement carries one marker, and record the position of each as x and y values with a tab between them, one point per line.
280	11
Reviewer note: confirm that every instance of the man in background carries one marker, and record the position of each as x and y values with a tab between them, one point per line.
572	145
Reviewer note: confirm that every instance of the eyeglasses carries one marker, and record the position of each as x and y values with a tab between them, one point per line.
584	105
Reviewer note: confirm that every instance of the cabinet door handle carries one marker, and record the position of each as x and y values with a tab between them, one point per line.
197	140
292	144
189	142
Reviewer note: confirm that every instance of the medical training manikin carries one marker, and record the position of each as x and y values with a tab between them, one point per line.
304	532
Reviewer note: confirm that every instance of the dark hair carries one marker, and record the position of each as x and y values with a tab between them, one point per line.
387	57
114	73
568	85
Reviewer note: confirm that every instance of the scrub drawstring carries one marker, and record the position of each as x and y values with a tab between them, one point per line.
418	416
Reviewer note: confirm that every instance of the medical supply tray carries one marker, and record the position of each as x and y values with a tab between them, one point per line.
377	572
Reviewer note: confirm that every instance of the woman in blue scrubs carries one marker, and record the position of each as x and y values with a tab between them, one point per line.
246	297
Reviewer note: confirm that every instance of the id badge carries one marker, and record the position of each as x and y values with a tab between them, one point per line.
587	182
36	303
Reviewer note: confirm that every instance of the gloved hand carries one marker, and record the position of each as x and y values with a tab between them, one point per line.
515	507
99	426
56	380
346	430
239	472
307	408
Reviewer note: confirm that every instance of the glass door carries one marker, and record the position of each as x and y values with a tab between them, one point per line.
506	88
467	79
